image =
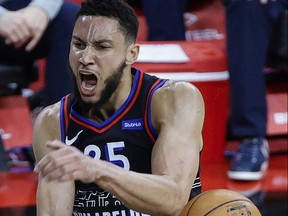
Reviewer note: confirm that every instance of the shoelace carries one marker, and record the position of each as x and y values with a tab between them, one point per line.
248	151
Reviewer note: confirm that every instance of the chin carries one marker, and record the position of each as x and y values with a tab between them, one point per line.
90	99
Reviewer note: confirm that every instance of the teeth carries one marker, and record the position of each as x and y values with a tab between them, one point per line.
87	86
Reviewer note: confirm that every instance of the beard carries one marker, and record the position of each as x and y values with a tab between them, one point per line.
111	84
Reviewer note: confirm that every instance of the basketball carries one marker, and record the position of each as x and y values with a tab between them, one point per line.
220	202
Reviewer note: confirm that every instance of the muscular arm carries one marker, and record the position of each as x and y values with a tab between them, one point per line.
53	198
177	113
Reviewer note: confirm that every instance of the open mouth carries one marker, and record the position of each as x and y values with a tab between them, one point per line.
88	81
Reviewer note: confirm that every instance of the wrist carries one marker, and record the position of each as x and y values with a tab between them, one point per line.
51	8
39	11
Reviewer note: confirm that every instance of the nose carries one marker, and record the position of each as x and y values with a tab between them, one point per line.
87	56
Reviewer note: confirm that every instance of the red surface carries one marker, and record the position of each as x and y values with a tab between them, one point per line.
216	114
17	189
15	123
40	83
277	105
205	56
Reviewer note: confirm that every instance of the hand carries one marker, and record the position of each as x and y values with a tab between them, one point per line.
23	27
65	163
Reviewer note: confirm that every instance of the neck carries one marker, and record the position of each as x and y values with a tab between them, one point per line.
101	114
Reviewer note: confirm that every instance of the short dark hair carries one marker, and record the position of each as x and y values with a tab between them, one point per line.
114	9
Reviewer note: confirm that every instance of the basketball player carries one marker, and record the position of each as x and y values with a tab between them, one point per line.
124	143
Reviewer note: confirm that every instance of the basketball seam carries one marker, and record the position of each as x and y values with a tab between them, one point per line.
196	200
225	204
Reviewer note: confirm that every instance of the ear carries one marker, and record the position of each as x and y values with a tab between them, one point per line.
132	53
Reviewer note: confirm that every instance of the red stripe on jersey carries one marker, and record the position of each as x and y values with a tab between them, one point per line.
146	112
135	96
66	117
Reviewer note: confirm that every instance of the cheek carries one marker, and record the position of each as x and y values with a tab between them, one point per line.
74	61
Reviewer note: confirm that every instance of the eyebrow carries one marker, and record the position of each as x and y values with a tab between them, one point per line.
77	38
96	41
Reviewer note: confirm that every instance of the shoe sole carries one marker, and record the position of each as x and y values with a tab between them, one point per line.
248	176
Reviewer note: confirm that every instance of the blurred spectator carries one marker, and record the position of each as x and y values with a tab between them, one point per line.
30	30
249	27
165	18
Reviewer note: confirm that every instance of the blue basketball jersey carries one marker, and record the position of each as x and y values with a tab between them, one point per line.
126	139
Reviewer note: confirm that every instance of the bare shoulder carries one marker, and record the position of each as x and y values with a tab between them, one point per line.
179	92
46	128
177	100
48	117
47	124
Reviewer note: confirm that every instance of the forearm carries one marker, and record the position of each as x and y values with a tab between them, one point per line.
54	198
146	193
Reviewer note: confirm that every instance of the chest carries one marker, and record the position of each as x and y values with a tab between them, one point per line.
122	139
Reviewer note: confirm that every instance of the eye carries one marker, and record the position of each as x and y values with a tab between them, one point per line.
78	45
103	46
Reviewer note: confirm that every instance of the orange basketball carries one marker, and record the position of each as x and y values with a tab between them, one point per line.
220	202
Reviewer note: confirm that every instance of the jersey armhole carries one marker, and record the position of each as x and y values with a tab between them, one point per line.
151	131
64	117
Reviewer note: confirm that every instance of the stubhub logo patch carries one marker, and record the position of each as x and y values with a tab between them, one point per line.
134	124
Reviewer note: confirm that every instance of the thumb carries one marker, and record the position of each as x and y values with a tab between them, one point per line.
54	145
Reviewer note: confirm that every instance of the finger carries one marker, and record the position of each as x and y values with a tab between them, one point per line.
25	31
59	145
22	30
41	164
55	164
18	34
16	40
31	45
21	42
60	170
52	173
75	175
61	174
60	156
12	39
55	145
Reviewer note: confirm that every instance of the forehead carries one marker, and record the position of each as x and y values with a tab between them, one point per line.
94	27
